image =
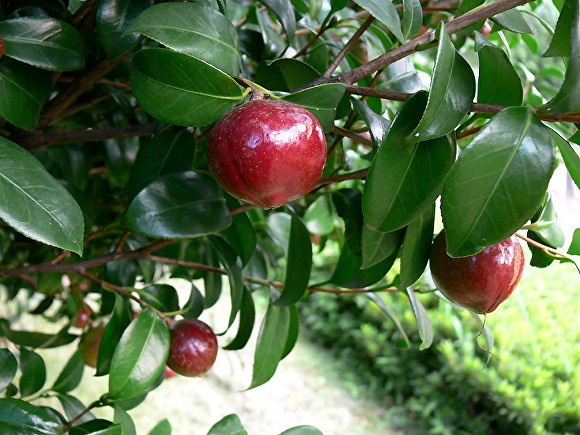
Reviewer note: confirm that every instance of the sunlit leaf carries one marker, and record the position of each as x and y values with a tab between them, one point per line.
385	12
16	414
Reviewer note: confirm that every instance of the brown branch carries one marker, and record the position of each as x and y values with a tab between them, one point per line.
357	175
462	22
352	135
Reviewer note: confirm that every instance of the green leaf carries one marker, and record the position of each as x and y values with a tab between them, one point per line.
113	18
73	407
271	344
19	417
405	177
385	12
35	204
8	368
97	427
71	375
560	44
36	339
319	216
285	74
233	266
570	154
513	20
241	235
567	100
498	181
293	331
194	305
167	84
302	430
284	10
165	208
348	206
452	92
140	356
423	321
46	43
229	425
321	101
33	372
23	92
417	247
162	297
246	326
124	419
376	245
378	125
546	225
412	18
390	313
498	81
120	319
402	76
299	263
167	153
192	29
161	428
574	248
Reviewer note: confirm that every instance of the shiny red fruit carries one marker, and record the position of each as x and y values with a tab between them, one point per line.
479	282
83	316
193	349
169	373
267	152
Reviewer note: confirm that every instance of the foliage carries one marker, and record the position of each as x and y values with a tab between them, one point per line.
106	107
530	385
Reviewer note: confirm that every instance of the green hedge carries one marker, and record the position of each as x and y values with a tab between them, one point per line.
530	385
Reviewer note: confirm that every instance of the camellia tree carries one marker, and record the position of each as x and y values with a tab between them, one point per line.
343	124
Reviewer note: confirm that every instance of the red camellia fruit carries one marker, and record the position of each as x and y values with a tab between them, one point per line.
479	282
193	348
267	152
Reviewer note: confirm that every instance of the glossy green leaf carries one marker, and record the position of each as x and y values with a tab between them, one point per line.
23	92
161	428
192	29
302	430
498	81
36	339
167	84
162	297
46	43
233	266
229	425
417	247
299	263
285	74
376	245
246	325
8	367
271	344
73	408
71	375
567	100
33	372
385	12
560	44
19	417
194	305
546	226
321	101
124	419
402	76
412	18
293	331
165	208
34	203
140	356
570	154
284	10
498	181
574	248
452	92
113	18
169	152
424	324
378	125
97	427
118	322
405	177
212	282
390	313
319	216
241	235
514	20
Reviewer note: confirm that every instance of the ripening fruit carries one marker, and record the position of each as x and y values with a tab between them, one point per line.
193	349
267	152
479	282
89	345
